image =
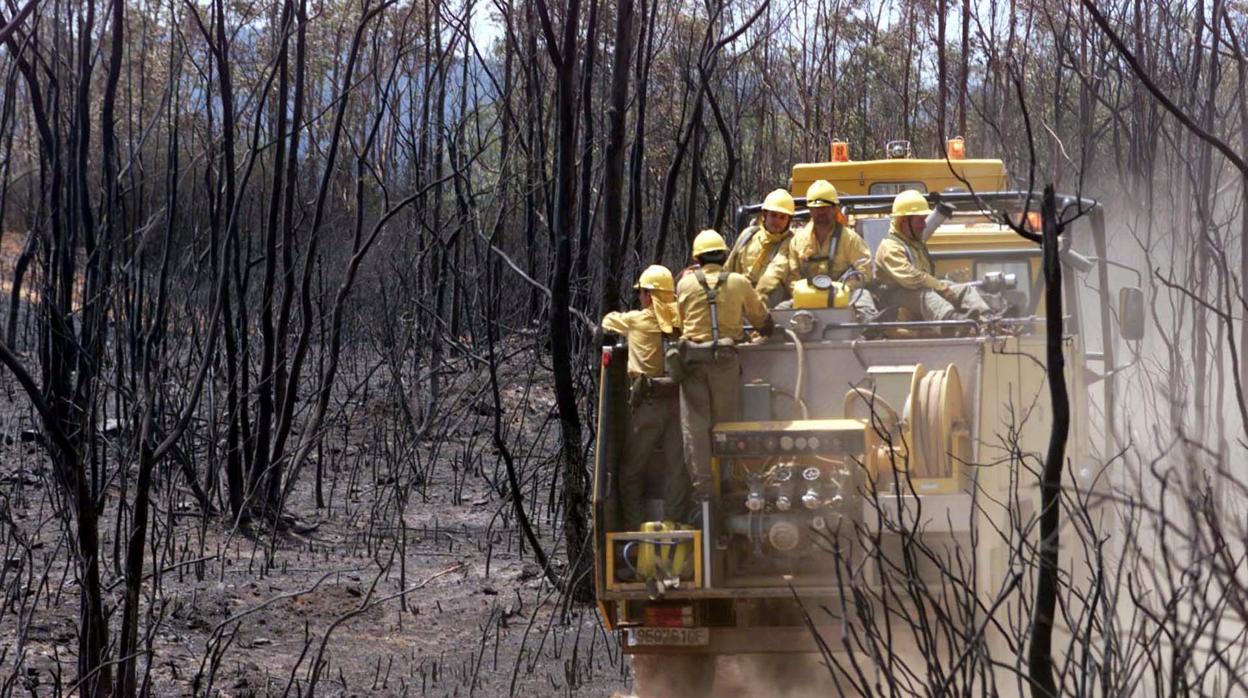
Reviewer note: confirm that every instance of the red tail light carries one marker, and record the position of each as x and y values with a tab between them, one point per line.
669	616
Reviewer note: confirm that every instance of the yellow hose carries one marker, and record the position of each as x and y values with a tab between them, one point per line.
931	437
936	412
877	436
872	401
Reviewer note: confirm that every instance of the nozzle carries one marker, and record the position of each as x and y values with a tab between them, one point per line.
812	500
997	282
754	502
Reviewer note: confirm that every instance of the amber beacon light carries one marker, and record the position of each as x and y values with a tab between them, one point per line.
955	148
840	151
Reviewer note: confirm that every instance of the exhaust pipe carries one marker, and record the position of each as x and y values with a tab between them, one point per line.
940	213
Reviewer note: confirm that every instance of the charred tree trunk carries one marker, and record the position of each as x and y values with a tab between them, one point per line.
20	267
634	222
585	198
66	395
613	178
261	474
563	53
1040	648
728	136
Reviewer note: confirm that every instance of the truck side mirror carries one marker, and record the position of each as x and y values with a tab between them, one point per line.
1131	313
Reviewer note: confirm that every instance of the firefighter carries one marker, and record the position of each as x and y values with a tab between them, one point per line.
767	239
713	304
825	245
904	266
654	415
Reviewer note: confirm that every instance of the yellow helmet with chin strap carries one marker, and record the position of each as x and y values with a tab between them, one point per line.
708	241
779	201
656	277
821	193
911	202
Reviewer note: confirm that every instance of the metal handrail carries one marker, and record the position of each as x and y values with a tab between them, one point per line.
897	325
882	203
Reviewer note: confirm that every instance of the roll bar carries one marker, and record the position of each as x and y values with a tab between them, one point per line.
1013	200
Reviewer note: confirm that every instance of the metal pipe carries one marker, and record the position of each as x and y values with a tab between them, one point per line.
940	213
708	580
1107	335
882	203
917	324
988	255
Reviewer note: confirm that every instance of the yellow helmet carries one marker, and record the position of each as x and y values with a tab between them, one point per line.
821	193
708	241
911	202
656	277
779	201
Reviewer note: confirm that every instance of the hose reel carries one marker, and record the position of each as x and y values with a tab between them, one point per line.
928	438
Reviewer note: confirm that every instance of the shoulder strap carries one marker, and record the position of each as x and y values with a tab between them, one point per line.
737	257
919	257
835	243
744	238
832	245
909	252
711	295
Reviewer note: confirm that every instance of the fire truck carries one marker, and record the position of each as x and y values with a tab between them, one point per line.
854	444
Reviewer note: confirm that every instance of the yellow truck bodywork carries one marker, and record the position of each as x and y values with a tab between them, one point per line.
1004	389
931	175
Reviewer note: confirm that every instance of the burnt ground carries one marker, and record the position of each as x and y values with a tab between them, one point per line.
243	611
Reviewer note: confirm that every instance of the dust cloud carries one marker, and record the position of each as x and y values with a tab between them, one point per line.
741	676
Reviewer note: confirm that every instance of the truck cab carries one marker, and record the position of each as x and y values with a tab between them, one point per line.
887	465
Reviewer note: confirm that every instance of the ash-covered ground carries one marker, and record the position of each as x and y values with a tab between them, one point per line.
410	580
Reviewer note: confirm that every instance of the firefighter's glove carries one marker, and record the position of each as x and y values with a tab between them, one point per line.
947	292
767	328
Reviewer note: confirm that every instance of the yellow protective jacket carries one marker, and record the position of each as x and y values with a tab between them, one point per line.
903	262
736	301
806	256
755	249
645	340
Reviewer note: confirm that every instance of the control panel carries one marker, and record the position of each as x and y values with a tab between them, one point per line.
761	439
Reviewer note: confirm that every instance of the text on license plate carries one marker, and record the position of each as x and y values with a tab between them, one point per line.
668	636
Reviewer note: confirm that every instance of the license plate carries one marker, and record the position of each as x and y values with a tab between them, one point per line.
685	637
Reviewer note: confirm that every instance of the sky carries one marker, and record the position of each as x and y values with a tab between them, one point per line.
486	28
